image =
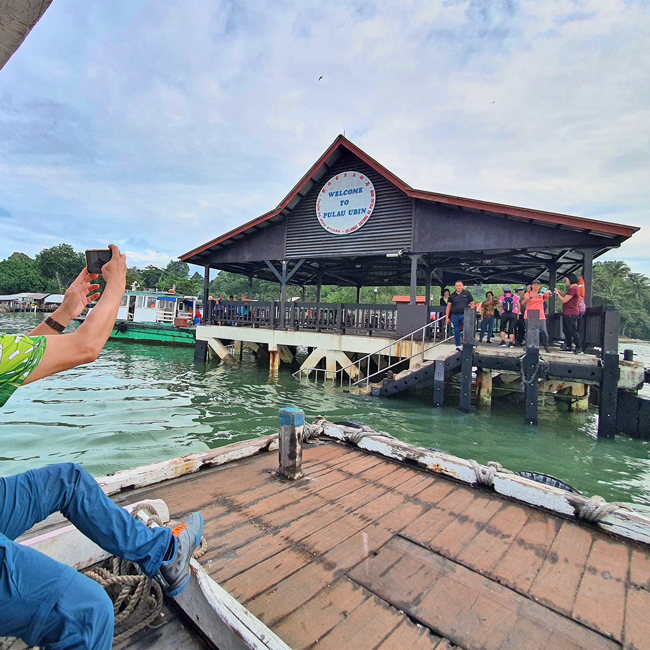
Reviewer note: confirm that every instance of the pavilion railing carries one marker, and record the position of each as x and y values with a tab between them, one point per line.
318	317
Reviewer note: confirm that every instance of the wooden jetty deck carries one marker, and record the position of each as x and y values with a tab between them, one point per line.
365	552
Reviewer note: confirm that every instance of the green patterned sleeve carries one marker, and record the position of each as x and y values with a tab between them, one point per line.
19	355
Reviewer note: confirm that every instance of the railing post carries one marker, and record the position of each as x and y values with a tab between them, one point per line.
469	336
292	316
532	368
292	421
339	318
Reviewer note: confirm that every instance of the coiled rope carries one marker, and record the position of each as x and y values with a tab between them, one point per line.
540	372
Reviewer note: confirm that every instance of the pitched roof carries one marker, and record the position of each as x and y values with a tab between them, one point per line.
319	168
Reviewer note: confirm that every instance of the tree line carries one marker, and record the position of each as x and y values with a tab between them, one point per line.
53	269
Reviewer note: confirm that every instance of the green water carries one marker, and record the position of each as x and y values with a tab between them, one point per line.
140	404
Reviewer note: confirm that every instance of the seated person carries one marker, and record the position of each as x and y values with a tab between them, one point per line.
44	602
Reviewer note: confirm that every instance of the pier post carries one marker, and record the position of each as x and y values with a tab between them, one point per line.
608	401
292	422
532	368
469	336
439	382
552	316
274	362
484	387
200	351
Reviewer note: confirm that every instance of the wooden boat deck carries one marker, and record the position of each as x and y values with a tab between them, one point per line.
369	553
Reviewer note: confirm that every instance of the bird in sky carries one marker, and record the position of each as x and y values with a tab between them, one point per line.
319	78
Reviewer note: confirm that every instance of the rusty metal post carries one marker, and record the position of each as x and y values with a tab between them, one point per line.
292	421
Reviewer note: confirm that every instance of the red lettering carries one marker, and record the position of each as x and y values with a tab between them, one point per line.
367	184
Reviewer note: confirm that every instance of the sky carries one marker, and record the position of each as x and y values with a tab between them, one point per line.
161	125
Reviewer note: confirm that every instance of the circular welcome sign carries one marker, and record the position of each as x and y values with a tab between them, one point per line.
345	203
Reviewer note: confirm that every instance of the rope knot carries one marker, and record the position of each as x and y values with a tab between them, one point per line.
485	474
595	509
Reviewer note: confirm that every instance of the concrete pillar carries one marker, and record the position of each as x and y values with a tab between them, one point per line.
221	351
274	362
582	392
290	437
237	348
484	387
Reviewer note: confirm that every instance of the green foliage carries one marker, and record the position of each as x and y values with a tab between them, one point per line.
178	269
614	284
19	273
60	265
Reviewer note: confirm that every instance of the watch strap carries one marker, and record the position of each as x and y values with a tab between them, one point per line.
50	322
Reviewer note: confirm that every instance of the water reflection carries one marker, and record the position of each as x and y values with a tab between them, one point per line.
140	404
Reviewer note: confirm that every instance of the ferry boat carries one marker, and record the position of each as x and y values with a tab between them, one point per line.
157	317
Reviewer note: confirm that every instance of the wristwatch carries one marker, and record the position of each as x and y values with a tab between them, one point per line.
57	327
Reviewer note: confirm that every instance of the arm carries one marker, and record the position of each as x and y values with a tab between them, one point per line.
564	298
84	344
75	301
447	311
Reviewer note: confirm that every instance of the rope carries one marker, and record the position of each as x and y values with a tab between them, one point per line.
312	431
357	436
485	474
595	509
541	371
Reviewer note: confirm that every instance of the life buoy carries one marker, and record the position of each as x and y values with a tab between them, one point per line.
581	286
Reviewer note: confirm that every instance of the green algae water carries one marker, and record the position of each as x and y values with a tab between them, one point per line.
140	404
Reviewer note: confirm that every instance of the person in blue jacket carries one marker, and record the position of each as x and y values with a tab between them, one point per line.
44	602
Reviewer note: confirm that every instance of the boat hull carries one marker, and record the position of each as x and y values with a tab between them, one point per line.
152	334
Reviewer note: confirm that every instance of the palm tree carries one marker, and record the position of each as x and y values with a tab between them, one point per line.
638	287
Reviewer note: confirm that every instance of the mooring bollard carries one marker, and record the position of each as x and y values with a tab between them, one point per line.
292	421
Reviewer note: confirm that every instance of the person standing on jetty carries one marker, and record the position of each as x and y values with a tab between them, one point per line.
488	320
44	602
509	312
534	301
571	313
457	303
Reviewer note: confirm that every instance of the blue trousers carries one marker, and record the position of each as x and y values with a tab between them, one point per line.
456	320
44	602
487	324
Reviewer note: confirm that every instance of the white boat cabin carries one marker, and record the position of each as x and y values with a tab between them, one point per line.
157	307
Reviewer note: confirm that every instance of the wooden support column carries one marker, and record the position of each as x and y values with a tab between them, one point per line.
414	278
319	284
552	317
439	382
292	422
588	273
532	368
283	294
358	294
427	289
250	287
469	336
608	402
207	316
484	387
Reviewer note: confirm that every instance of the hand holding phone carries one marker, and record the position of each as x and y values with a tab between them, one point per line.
96	258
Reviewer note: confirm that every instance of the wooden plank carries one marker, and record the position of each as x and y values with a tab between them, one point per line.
491	543
556	584
248	584
394	521
519	567
451	540
640	568
600	602
440	516
364	629
411	636
637	620
470	609
306	625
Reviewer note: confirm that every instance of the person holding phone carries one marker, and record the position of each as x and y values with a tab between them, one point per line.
44	602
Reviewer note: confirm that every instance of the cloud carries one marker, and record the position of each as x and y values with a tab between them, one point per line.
4	214
175	122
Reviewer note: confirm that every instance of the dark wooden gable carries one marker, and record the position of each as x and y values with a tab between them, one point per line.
389	229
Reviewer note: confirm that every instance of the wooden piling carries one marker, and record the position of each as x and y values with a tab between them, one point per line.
469	336
609	384
291	421
532	368
439	382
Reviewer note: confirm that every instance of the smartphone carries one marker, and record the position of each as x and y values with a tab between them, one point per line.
96	258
